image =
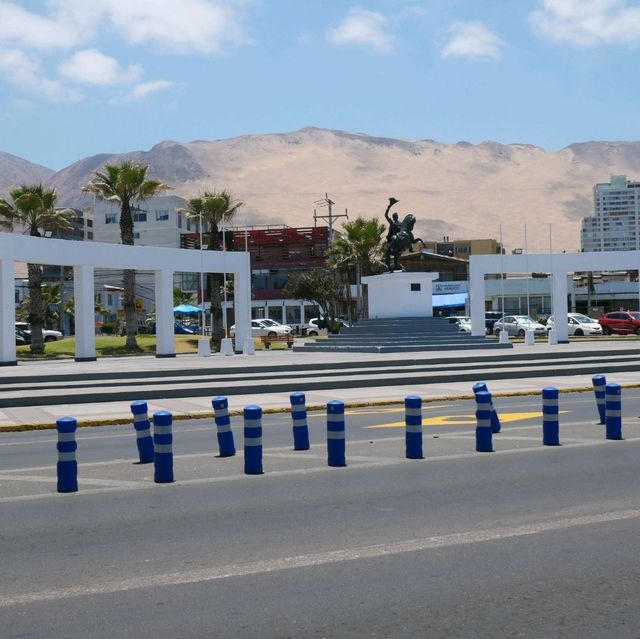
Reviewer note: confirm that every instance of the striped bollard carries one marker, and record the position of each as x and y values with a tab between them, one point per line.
413	426
162	447
67	467
299	417
599	384
484	435
550	422
253	440
613	411
495	420
144	441
226	446
335	433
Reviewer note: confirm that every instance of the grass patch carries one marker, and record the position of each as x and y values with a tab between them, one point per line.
107	345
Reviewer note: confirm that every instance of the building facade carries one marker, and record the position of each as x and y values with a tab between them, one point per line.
614	225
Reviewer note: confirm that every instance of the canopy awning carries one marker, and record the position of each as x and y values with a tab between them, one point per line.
186	309
450	301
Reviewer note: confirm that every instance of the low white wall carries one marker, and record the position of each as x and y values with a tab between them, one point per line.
391	295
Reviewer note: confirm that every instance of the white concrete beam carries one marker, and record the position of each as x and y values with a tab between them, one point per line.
7	313
84	315
165	338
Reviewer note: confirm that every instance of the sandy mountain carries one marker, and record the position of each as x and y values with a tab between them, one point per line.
15	171
461	190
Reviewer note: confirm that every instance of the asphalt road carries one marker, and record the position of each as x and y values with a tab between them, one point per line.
529	541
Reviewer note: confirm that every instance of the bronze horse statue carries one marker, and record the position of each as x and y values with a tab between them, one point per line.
401	241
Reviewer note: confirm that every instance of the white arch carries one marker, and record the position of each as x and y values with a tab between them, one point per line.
559	265
84	257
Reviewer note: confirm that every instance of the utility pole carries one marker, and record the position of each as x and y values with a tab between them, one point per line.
329	204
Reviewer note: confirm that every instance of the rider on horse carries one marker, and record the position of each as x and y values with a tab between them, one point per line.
399	238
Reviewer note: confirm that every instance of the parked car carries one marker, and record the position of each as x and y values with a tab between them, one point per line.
578	325
265	328
178	329
47	334
620	323
315	324
490	318
518	325
463	322
22	337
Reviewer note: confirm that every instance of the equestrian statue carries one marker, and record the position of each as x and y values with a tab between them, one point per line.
399	238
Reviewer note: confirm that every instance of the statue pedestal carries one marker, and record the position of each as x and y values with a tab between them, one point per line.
400	294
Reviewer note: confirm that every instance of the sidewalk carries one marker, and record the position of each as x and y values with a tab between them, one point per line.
119	412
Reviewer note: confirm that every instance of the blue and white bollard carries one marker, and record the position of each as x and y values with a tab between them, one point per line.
141	423
413	426
335	433
484	435
495	420
613	411
162	447
67	467
226	445
253	440
599	384
550	421
299	418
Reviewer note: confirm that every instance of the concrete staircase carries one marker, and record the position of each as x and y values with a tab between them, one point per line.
400	335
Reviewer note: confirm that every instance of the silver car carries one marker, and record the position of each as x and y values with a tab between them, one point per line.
518	325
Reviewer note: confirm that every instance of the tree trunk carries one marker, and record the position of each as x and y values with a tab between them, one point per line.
36	308
126	236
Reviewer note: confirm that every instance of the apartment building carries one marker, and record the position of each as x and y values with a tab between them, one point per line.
614	225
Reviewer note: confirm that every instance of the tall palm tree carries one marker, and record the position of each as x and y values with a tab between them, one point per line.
33	208
125	184
212	209
358	247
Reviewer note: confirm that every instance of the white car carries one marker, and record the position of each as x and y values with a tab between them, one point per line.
579	325
47	334
265	328
518	325
463	322
312	326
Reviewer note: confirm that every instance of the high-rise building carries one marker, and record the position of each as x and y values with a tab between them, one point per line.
615	225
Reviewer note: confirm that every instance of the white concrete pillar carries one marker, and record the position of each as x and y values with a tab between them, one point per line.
242	304
476	293
84	315
165	339
560	311
7	314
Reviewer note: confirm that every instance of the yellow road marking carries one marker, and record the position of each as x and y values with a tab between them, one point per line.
397	409
466	420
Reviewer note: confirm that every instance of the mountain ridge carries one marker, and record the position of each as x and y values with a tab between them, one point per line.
459	189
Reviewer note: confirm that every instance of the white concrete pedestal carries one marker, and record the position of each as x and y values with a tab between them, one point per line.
503	337
226	346
529	337
400	294
553	337
204	348
249	346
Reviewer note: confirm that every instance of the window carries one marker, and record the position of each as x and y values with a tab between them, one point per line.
415	286
140	216
136	236
179	220
162	216
17	296
90	224
90	235
109	299
110	218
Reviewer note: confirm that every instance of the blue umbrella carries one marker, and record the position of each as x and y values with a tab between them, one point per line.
186	309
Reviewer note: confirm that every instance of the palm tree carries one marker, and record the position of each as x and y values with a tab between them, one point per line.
358	247
33	208
125	184
211	209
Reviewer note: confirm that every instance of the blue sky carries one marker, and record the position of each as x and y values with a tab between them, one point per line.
80	77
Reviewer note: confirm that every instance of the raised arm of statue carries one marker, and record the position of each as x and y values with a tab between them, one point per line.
392	201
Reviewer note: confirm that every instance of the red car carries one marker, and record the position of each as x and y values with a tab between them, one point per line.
621	323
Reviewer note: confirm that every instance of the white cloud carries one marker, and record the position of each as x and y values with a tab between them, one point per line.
362	27
90	66
62	30
145	89
188	26
26	73
473	41
587	22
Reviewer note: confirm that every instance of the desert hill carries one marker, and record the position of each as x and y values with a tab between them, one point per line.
461	190
15	171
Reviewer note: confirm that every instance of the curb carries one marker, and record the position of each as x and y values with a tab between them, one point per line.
95	423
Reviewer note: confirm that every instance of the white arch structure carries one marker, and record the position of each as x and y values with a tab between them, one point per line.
84	257
558	265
